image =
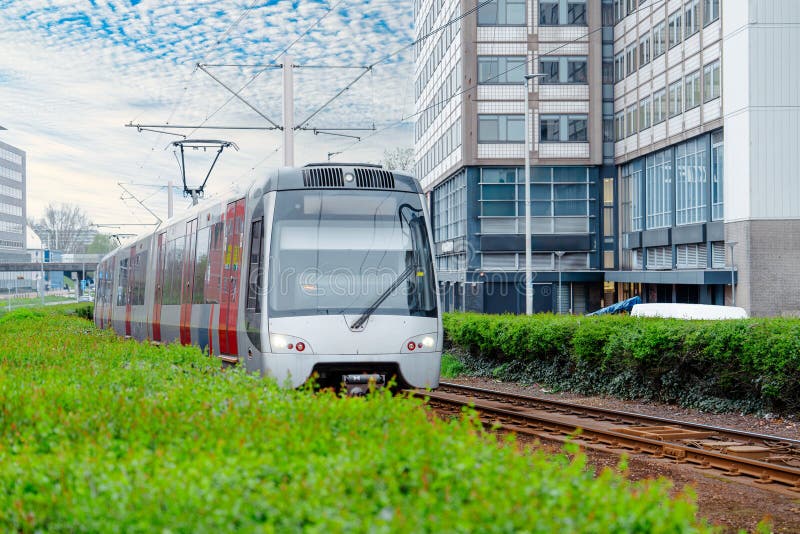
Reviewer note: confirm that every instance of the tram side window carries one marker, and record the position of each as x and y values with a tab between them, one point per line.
201	265
214	271
255	274
139	278
122	286
173	272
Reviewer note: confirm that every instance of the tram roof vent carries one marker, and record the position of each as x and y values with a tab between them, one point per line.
372	178
323	177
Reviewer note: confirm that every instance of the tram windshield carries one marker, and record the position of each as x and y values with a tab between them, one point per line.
339	252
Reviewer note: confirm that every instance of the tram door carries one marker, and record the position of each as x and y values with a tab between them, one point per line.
231	274
188	282
129	290
110	290
159	286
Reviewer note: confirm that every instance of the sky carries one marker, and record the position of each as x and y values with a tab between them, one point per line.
74	72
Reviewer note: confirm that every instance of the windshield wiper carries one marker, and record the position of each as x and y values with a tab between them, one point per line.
389	290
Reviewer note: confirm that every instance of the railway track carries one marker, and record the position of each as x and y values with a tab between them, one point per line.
769	460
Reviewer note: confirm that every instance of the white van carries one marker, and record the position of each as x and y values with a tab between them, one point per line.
688	311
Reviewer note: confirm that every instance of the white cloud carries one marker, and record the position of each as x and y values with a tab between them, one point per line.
71	76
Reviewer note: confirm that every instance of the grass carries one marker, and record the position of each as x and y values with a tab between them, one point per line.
452	367
103	435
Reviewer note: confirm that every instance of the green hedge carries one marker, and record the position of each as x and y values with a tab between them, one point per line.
752	363
103	435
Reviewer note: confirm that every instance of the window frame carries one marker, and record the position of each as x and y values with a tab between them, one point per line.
502	118
677	89
675	28
692	80
713	68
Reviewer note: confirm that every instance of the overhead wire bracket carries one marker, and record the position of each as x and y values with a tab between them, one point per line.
198	144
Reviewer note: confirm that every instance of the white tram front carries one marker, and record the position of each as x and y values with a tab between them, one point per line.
323	270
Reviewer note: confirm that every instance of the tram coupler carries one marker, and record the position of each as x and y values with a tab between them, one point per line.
359	385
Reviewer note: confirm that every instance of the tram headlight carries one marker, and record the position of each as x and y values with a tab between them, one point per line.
423	343
278	342
348	177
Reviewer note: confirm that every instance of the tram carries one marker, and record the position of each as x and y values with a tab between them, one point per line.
324	270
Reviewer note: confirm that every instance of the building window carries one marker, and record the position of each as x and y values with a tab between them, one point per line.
717	156
659	39
711	81
619	10
619	126
675	33
576	12
563	128
576	70
658	181
691	21
563	70
450	209
607	14
560	200
502	13
608	71
631	121
659	106
577	129
556	12
644	51
631	192
550	128
619	66
630	6
692	90
501	128
675	99
608	129
501	69
630	60
644	114
691	199
550	68
548	12
710	11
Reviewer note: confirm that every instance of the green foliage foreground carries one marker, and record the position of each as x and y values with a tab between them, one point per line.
101	435
750	364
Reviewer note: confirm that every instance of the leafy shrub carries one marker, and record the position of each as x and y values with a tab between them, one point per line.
103	435
751	364
85	311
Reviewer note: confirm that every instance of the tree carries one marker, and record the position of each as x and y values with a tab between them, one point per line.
65	227
401	159
101	244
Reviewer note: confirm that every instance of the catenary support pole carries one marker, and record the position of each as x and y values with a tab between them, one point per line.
169	200
288	112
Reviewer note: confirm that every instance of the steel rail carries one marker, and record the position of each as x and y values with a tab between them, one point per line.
536	424
621	416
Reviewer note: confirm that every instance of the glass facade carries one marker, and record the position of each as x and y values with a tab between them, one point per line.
450	208
658	178
562	200
717	160
673	186
691	178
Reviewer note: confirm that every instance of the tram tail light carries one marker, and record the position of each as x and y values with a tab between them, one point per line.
284	344
423	343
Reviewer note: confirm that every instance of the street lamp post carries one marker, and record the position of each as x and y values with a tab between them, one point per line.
528	258
559	254
732	244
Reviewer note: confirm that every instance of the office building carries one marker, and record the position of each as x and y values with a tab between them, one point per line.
631	186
